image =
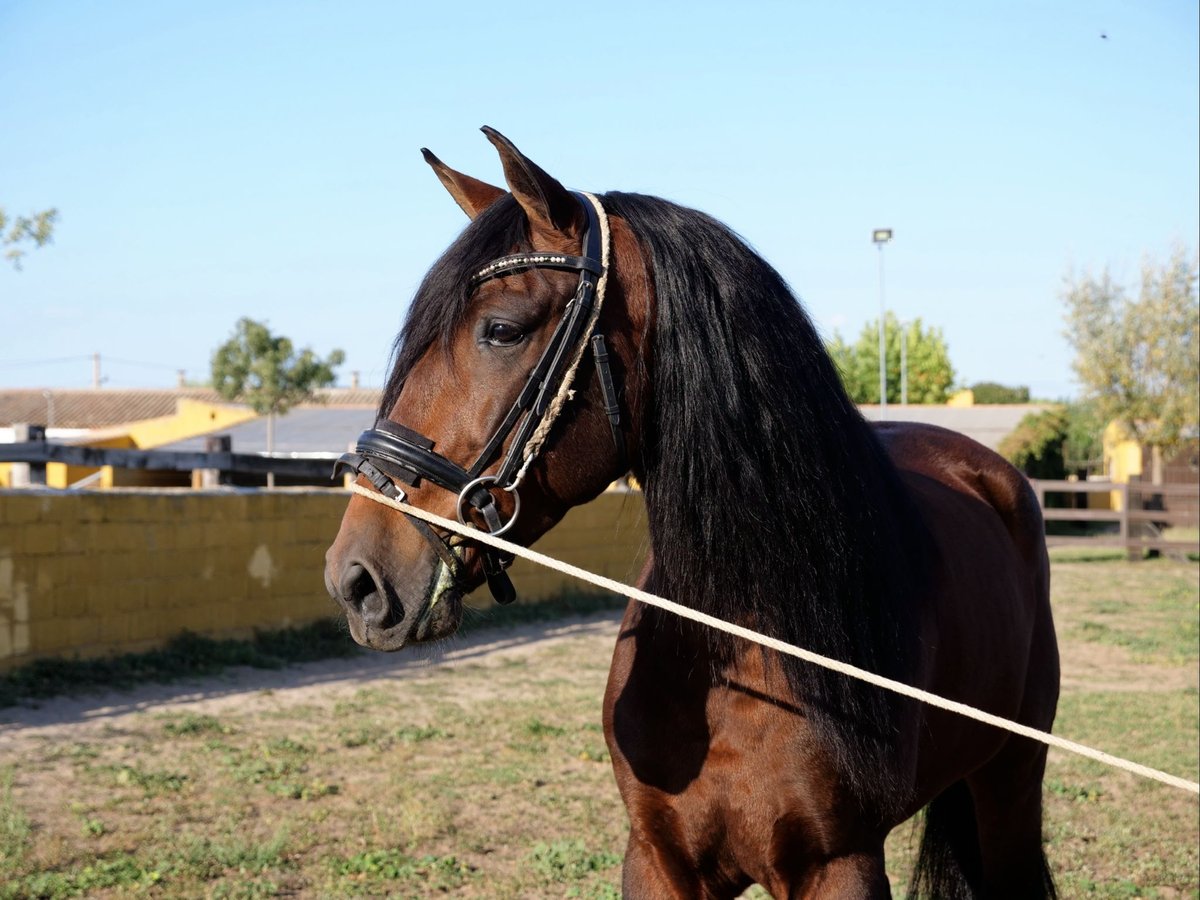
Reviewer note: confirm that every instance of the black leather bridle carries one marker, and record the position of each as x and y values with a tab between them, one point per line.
390	452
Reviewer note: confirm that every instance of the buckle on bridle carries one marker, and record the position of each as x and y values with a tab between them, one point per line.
490	511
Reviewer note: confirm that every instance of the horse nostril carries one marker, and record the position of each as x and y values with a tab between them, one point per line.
357	583
361	592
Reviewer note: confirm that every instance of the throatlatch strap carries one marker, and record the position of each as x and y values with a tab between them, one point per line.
612	408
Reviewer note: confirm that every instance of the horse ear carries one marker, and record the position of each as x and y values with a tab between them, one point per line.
549	206
473	195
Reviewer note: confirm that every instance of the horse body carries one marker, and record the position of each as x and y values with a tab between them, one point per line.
903	549
703	825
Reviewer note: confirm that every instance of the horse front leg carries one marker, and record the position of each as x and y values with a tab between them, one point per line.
651	872
854	876
657	871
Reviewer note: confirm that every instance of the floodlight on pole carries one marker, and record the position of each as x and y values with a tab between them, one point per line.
879	237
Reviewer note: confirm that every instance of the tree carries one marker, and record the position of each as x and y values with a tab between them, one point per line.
1083	445
1035	446
929	371
38	228
991	392
1139	360
265	372
1062	440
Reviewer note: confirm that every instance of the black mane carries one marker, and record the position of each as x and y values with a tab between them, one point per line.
771	502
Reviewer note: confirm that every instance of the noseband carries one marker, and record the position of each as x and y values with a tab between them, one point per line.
390	452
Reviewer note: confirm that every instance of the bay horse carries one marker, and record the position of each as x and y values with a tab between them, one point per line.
565	339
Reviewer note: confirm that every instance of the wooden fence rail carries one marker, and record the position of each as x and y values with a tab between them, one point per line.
38	453
1144	511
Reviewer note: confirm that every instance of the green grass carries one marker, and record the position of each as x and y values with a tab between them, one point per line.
14	824
490	778
570	860
1149	608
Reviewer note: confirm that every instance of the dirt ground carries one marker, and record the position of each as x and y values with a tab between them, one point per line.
480	770
247	691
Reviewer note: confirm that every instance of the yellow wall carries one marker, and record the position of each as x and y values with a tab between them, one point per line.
93	573
192	417
1122	458
965	397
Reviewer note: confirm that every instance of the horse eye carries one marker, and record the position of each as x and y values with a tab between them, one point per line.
504	334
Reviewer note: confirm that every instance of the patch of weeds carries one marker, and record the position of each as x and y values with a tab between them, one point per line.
594	754
1109	607
313	789
538	728
280	767
186	656
192	724
286	745
245	890
603	892
93	828
539	732
14	824
593	751
120	872
153	783
207	859
504	775
415	734
434	873
1075	793
362	701
565	861
360	737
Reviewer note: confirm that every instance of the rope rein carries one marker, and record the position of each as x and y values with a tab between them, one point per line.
898	687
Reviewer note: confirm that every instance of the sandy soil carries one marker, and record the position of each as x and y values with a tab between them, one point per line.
246	690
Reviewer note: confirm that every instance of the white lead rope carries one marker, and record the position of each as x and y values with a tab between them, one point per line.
817	659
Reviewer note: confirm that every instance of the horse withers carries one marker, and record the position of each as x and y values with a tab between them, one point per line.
565	339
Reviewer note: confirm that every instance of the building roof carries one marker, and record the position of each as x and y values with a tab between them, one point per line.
330	425
324	430
987	423
106	407
102	408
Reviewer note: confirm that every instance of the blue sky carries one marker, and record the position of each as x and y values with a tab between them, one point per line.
218	159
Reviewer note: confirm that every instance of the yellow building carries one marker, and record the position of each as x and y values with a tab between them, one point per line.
192	415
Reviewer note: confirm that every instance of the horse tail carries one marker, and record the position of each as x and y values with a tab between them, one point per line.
949	866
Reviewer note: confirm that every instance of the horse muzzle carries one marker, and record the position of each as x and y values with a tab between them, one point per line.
383	617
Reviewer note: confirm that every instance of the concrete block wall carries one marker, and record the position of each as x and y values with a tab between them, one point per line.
94	573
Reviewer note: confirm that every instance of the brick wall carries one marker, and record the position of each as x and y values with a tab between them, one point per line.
92	573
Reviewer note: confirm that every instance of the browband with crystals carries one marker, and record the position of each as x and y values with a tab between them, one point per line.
519	262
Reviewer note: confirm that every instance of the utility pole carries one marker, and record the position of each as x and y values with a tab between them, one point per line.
95	371
879	237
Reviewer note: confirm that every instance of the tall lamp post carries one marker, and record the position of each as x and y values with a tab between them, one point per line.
881	236
904	326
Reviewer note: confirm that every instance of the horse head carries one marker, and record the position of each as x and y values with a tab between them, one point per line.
500	408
